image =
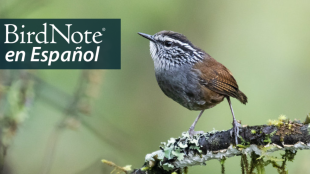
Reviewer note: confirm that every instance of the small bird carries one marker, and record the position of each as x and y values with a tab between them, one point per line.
190	76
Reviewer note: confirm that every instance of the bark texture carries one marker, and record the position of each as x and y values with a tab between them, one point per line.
179	153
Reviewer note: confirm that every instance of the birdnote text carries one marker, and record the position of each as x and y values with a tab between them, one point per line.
51	56
60	44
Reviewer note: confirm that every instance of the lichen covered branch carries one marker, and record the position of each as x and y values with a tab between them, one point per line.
179	153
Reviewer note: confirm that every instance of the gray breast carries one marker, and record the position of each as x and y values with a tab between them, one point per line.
181	85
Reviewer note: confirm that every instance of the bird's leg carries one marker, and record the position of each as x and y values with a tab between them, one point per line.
191	129
235	123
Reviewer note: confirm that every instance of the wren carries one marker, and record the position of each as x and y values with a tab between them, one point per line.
190	76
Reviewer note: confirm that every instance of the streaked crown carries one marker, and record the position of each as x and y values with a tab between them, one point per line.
171	49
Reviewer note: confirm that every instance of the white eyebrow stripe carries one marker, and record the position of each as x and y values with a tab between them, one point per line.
181	43
167	38
185	45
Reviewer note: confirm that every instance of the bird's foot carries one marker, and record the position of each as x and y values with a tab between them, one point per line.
235	130
191	132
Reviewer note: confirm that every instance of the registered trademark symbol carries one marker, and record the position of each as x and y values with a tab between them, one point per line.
103	29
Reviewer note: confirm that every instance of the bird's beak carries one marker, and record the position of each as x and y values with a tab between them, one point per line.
149	37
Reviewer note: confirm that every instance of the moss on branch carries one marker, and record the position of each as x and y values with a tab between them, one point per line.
179	153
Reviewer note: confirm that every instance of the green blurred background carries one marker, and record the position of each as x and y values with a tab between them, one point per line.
264	43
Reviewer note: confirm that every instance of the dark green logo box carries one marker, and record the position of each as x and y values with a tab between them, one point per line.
60	43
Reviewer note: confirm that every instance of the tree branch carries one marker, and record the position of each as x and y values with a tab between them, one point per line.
179	153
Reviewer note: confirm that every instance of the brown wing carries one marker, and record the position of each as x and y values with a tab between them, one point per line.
218	78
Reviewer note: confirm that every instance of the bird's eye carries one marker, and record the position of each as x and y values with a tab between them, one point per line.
168	43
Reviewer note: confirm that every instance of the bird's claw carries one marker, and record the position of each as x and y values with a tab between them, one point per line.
191	132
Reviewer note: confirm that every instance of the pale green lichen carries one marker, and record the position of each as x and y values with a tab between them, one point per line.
167	166
176	159
175	148
181	145
168	152
171	141
194	141
177	152
185	135
193	147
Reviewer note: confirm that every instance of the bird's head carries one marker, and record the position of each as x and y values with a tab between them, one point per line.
171	49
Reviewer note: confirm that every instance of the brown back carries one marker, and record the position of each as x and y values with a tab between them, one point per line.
216	77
